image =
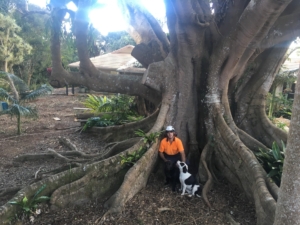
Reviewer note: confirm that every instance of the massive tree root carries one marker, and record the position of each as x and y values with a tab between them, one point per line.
87	180
77	185
137	176
243	169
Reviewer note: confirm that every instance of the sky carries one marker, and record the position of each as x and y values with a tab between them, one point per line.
109	18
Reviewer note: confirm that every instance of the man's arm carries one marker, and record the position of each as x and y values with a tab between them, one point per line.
182	154
161	154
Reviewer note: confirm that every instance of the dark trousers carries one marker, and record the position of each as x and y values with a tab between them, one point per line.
171	170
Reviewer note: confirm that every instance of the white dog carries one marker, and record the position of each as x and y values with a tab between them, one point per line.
188	181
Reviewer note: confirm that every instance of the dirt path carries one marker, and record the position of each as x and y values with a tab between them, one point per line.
156	204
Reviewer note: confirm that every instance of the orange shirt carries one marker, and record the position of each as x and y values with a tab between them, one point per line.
171	148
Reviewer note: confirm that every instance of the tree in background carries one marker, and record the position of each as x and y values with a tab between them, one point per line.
12	47
101	44
9	6
117	40
285	76
35	29
34	32
35	23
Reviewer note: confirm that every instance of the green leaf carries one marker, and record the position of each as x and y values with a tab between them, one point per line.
4	95
43	90
20	85
25	200
42	199
39	191
14	203
27	209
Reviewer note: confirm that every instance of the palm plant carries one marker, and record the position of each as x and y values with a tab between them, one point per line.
119	110
95	103
22	94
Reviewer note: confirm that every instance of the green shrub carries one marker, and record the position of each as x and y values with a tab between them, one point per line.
131	159
148	139
120	110
29	206
281	106
272	161
281	125
95	103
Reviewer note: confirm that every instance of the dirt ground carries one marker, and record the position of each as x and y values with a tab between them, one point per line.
155	204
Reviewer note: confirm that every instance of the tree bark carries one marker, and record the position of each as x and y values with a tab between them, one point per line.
251	95
288	206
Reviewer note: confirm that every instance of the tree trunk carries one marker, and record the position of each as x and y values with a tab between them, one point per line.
13	87
287	209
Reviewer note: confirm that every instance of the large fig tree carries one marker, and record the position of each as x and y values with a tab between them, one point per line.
209	78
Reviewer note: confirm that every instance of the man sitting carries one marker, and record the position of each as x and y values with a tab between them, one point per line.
171	150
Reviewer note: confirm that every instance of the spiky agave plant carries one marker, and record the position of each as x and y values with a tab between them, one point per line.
22	94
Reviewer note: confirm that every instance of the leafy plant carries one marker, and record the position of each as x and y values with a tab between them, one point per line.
279	106
132	158
148	139
281	125
95	103
272	161
121	107
98	122
22	94
119	111
29	206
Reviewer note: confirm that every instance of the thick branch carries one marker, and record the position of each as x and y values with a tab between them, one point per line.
249	33
285	29
90	77
251	96
152	42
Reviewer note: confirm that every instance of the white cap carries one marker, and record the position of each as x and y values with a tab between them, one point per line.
170	128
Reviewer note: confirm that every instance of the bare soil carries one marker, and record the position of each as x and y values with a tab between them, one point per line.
155	204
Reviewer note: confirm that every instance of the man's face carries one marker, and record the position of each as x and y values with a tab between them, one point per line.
170	134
